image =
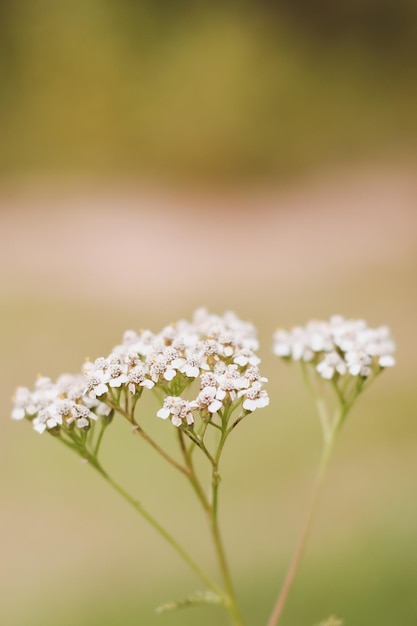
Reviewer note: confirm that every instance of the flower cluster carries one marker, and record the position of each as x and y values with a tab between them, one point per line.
63	403
218	352
338	347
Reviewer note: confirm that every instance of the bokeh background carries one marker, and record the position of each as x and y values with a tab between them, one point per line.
253	156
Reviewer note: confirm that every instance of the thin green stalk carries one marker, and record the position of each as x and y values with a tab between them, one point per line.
302	541
192	475
211	510
200	444
324	419
232	603
233	606
306	528
99	438
140	431
72	446
159	529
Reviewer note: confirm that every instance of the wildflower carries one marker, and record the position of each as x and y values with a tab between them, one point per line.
255	397
53	405
137	378
338	347
331	364
207	400
179	410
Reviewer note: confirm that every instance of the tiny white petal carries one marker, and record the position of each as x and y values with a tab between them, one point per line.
100	389
215	406
40	428
163	413
386	361
169	374
18	414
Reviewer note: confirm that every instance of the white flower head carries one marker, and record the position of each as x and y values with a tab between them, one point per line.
338	347
331	365
255	397
178	410
207	400
53	405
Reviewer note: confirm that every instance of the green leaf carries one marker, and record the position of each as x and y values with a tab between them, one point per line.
199	597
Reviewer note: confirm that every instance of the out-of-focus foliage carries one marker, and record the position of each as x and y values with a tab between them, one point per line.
206	89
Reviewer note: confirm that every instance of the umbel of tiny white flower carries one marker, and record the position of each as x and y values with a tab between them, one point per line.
338	347
345	353
216	355
63	404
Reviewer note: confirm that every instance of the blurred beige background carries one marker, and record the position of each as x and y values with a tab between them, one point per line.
239	157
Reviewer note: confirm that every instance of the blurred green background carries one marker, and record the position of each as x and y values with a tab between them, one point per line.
156	157
205	90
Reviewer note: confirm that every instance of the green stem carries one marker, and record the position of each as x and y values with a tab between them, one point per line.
139	430
302	541
232	604
72	446
192	475
211	511
324	418
99	438
157	526
199	443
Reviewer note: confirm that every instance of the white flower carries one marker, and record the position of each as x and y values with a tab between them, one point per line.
229	382
255	397
193	364
207	400
208	379
359	363
246	357
159	368
178	409
294	344
386	360
137	378
53	405
330	365
117	371
253	374
22	401
338	346
97	377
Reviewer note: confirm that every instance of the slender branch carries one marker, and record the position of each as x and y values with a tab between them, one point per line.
200	435
339	392
215	425
73	446
99	438
140	431
192	476
158	527
302	541
232	603
211	508
324	418
215	530
200	444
